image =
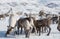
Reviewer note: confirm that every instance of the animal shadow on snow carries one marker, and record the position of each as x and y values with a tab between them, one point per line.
2	35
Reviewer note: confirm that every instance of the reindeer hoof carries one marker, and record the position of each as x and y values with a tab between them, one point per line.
27	36
47	34
39	34
17	33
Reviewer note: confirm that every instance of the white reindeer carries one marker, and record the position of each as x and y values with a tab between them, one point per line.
12	22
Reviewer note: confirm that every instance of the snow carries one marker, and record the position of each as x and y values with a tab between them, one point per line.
28	6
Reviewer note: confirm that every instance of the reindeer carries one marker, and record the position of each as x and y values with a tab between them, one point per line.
12	23
42	16
28	26
5	15
58	27
42	23
54	18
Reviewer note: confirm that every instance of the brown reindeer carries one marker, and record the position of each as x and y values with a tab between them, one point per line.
54	19
41	13
26	25
1	16
42	23
6	14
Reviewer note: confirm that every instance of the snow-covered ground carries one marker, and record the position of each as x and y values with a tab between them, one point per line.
29	6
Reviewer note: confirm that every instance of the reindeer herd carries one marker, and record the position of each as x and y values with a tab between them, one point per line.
30	24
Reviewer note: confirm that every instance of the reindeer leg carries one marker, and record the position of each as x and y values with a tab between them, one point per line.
42	29
53	21
27	33
21	30
8	31
15	32
35	29
49	31
39	31
45	29
18	30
